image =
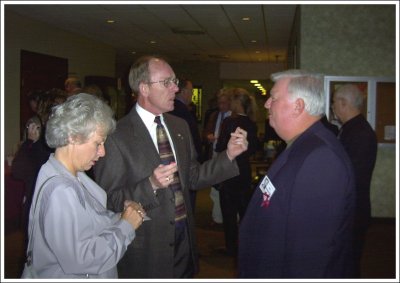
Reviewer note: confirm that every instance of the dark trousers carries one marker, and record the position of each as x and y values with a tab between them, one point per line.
232	203
183	261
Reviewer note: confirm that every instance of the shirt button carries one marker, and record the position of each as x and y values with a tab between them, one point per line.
172	244
172	222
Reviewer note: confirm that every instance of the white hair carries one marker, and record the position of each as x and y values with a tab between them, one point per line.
307	86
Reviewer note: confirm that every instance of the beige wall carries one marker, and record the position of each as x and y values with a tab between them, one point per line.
355	40
348	40
85	57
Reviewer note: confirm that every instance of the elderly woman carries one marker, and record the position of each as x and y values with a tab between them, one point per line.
72	234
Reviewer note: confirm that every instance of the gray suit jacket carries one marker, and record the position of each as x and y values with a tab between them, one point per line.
124	173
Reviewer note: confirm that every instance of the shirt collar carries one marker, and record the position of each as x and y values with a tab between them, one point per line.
147	117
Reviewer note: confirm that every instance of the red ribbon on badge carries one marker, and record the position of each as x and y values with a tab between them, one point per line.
265	202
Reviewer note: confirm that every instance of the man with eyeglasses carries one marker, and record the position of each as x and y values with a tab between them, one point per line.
165	246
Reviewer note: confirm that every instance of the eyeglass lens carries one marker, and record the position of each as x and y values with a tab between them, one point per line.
167	82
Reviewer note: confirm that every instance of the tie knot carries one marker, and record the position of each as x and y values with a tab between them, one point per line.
157	120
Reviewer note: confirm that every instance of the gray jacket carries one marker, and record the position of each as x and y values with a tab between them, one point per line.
75	235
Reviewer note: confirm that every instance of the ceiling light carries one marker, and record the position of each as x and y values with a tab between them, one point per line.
253	41
246	19
110	21
254	81
153	42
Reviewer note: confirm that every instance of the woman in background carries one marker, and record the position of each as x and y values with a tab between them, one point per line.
235	193
33	151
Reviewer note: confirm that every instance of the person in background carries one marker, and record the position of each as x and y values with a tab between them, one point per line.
182	99
33	99
332	127
235	193
134	167
75	236
31	155
96	90
73	86
193	109
360	143
51	98
33	151
299	223
212	106
210	135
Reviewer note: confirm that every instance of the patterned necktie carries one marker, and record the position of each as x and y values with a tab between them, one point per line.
167	156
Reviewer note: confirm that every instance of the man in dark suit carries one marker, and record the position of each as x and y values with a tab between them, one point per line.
360	143
210	136
299	222
164	246
181	109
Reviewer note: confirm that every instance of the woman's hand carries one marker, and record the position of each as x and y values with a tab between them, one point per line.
133	213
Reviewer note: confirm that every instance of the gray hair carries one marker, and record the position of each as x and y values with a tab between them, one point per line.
77	119
352	94
307	86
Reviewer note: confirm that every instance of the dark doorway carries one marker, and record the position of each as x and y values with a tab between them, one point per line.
39	71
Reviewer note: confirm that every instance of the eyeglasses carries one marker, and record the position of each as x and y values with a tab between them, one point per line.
167	82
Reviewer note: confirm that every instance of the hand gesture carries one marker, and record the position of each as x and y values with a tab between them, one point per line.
133	213
163	175
237	143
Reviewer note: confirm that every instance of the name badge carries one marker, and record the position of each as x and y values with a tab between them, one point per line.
267	189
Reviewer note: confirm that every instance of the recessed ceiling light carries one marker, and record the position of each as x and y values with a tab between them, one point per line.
253	41
110	21
153	42
254	81
246	19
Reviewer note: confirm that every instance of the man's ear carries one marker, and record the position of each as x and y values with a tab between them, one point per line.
298	106
144	89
